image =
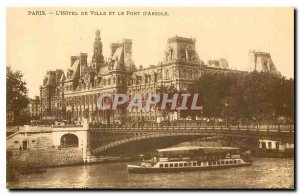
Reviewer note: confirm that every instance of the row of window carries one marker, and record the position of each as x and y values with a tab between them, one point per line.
264	146
138	80
96	83
92	99
167	165
17	142
191	164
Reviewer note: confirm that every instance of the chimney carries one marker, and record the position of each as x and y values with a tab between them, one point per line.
83	58
83	62
73	58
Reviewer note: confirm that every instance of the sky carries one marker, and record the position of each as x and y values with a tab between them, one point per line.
36	44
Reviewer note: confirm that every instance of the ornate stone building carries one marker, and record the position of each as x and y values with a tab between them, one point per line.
34	108
261	61
51	95
73	95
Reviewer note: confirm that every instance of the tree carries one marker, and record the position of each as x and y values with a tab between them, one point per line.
16	95
289	95
215	90
255	96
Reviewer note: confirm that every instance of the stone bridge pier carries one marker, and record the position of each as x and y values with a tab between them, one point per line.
72	136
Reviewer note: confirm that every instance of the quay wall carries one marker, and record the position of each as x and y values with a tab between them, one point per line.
41	147
51	157
33	140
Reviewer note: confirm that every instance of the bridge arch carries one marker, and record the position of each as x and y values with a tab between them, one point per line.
103	149
127	135
69	140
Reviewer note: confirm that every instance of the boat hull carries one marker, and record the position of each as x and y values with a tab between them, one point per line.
274	153
140	169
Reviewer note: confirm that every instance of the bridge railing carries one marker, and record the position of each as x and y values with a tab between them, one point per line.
195	127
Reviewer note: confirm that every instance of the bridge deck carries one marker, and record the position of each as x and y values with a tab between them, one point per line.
146	132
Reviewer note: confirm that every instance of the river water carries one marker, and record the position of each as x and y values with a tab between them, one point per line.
264	173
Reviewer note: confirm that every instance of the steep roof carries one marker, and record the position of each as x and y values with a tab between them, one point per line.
75	68
118	58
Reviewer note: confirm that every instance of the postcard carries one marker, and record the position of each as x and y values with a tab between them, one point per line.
150	98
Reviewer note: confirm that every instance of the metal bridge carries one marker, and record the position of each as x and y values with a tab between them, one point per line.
111	137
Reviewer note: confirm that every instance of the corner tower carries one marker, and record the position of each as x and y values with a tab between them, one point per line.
261	62
181	49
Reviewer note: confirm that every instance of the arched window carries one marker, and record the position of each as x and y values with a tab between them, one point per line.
167	75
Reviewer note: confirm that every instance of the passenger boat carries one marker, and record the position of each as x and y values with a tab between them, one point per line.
274	149
192	158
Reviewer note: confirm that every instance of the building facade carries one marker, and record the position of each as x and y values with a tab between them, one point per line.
73	95
34	108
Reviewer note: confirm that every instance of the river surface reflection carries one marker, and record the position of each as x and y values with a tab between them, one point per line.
264	173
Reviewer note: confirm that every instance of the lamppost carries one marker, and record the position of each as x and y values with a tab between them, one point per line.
284	112
226	113
274	117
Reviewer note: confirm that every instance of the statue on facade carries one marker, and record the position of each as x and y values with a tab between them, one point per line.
169	54
166	56
188	53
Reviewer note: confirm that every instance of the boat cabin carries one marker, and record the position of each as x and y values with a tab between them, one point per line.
196	153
